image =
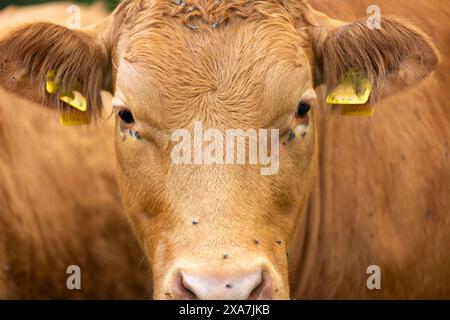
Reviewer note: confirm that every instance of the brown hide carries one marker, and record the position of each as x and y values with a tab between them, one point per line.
382	193
380	197
60	203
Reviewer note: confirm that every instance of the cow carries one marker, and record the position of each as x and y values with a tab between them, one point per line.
347	195
381	194
60	205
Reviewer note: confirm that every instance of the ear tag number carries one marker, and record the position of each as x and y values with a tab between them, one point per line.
73	98
352	94
74	118
357	110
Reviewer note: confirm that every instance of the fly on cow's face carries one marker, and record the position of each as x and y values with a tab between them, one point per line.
291	136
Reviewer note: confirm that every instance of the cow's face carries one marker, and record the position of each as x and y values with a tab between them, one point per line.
209	226
214	225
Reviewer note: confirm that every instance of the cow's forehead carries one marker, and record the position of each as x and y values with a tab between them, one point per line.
260	66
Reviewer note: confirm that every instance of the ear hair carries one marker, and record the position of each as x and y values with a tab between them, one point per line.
393	57
29	52
82	57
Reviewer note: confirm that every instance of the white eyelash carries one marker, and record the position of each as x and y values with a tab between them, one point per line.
309	96
117	103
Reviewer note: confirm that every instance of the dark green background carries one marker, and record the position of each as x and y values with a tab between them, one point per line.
4	3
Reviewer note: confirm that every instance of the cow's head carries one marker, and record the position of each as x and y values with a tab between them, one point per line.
213	230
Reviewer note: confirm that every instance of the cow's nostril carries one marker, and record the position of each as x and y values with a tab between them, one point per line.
233	285
263	290
181	290
256	292
189	294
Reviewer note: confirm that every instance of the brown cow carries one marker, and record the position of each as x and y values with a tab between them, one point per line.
382	192
60	204
221	231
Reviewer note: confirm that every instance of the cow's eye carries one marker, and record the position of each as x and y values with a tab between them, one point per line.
302	109
126	116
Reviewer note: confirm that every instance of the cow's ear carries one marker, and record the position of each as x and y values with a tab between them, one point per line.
392	57
48	63
35	54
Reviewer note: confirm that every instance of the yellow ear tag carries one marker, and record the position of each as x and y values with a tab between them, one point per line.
74	118
345	93
78	116
357	110
50	85
75	99
352	95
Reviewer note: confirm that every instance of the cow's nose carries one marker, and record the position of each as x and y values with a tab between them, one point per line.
234	286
